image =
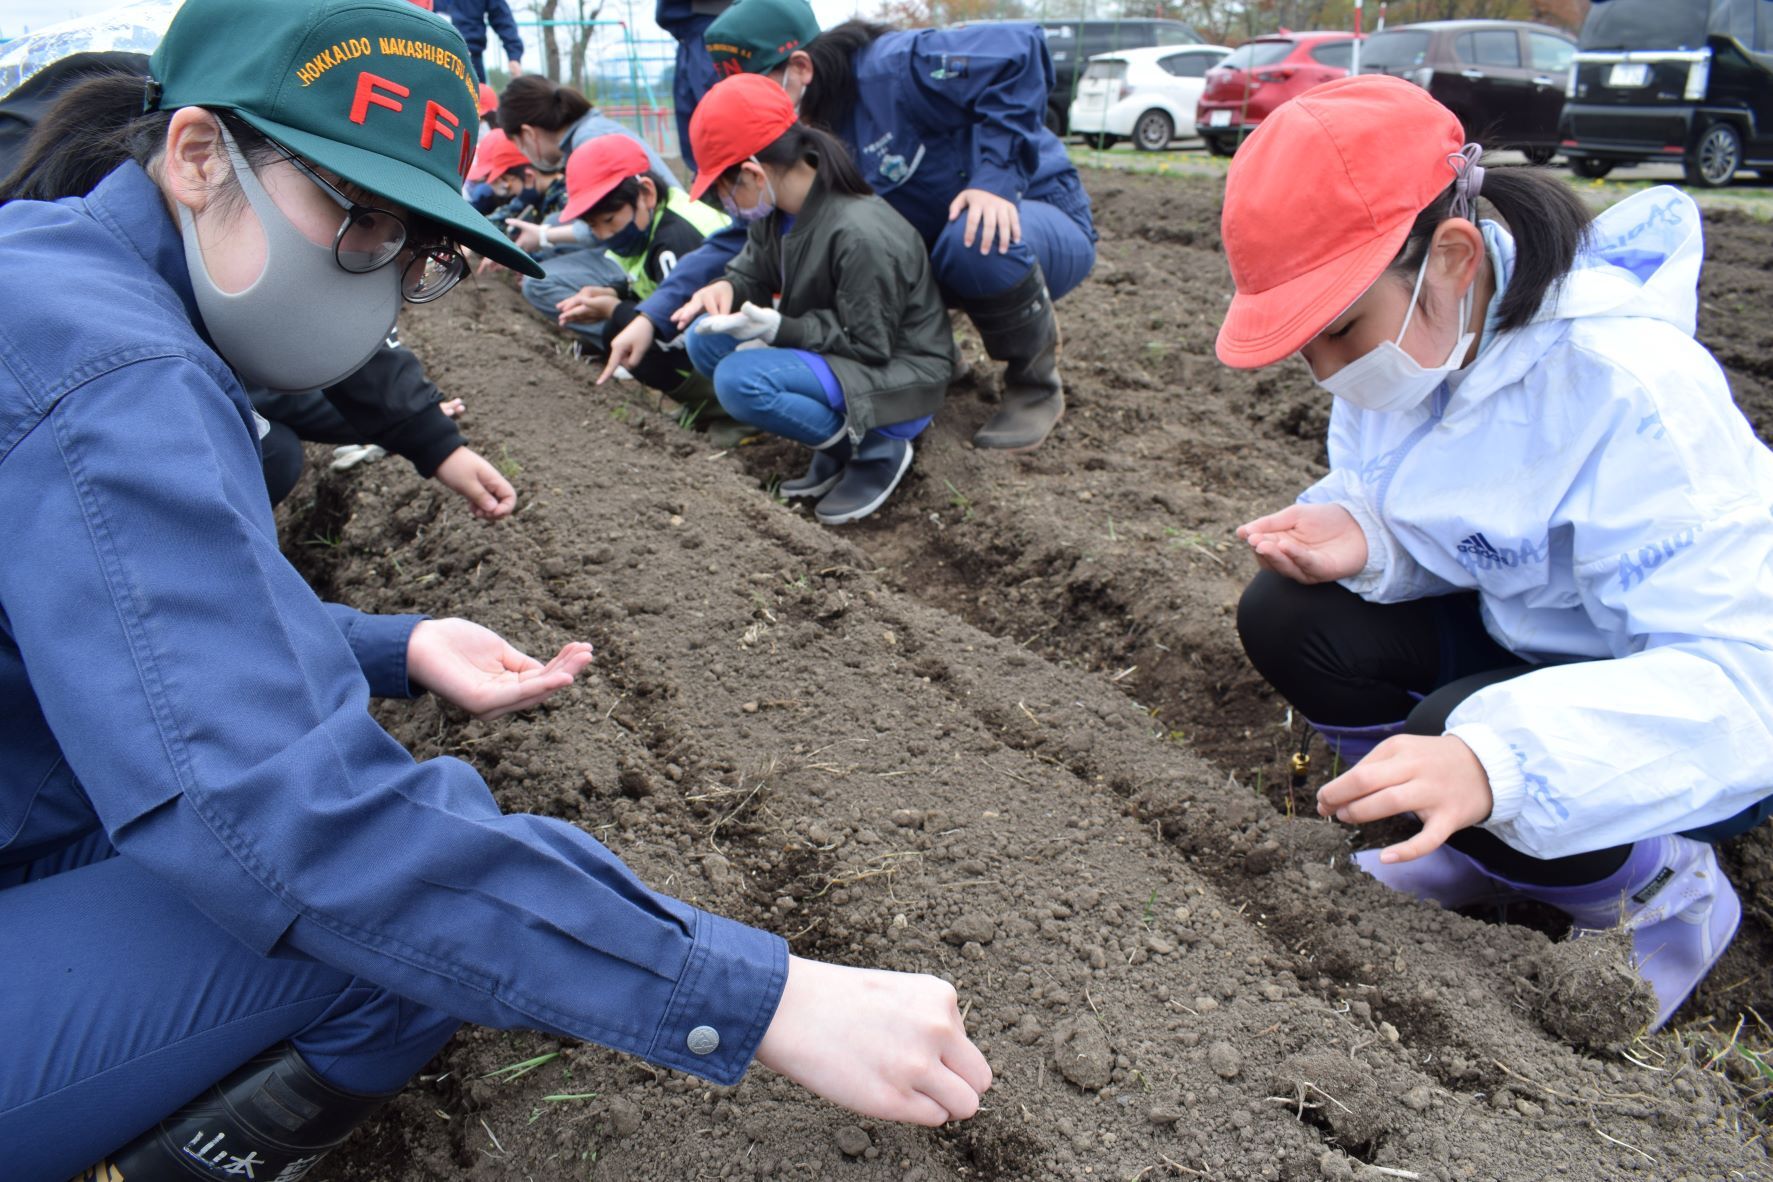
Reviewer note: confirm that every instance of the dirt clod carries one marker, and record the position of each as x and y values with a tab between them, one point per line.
1225	1060
971	928
1083	1053
853	1141
1589	992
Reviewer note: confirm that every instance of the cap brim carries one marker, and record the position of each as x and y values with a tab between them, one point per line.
707	175
412	188
578	207
1264	327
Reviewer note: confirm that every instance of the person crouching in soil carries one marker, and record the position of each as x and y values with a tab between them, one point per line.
644	224
859	353
1534	594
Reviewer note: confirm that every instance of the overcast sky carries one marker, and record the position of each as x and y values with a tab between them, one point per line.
18	16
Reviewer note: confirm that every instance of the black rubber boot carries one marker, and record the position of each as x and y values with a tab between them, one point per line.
874	471
827	466
1019	328
272	1118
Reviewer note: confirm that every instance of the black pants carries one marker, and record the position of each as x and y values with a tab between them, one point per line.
295	417
1343	661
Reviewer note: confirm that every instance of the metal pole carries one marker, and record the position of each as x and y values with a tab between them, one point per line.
1359	22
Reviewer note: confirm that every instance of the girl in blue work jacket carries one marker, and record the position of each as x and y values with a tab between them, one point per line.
235	914
948	126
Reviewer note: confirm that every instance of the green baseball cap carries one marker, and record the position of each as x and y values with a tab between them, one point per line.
377	91
756	36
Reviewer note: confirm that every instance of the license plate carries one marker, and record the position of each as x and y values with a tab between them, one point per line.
1625	74
1219	118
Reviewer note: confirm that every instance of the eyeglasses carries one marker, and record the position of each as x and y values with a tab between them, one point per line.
370	238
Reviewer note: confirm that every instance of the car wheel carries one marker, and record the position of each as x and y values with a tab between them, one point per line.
1540	155
1591	168
1713	160
1056	121
1219	145
1101	141
1153	132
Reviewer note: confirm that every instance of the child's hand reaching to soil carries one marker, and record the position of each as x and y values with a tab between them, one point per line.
886	1045
473	668
1308	543
1437	778
716	299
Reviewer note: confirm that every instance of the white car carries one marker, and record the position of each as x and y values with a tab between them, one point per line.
1146	95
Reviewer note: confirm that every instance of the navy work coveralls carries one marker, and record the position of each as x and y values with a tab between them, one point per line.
207	845
470	17
938	111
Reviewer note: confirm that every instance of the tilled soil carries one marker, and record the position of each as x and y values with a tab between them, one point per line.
1003	732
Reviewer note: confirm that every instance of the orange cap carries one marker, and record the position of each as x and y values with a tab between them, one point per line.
495	156
1318	202
738	118
489	99
596	167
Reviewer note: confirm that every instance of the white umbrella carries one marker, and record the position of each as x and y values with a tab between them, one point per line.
128	28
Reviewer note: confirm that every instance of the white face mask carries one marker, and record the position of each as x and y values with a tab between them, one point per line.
1388	379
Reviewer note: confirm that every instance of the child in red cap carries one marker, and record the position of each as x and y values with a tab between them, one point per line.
857	352
644	224
1530	601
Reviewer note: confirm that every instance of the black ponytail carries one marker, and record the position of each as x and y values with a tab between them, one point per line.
831	95
98	124
93	127
819	148
539	102
1548	222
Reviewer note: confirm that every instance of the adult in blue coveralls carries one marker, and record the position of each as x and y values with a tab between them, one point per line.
471	17
947	126
687	20
235	915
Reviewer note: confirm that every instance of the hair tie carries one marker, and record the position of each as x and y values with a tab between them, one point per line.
151	92
1468	179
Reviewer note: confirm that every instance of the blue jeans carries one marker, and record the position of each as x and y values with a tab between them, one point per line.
787	392
122	1001
564	274
1049	235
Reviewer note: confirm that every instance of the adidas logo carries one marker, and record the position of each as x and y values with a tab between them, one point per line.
1478	544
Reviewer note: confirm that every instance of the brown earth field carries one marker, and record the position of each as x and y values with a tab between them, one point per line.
1003	732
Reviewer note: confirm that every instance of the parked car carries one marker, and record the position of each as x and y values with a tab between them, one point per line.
1687	80
1504	79
1073	43
1146	95
1259	76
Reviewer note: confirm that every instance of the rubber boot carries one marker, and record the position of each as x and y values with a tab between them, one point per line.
1019	328
272	1118
1444	876
1672	896
823	473
1351	744
876	466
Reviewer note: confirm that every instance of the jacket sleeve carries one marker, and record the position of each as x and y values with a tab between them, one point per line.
379	644
394	404
999	79
1673	549
748	272
1391	575
217	720
693	272
864	323
498	14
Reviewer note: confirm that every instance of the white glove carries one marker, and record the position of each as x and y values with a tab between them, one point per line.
352	454
749	323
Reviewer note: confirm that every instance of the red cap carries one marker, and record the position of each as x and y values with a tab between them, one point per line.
1318	202
495	156
738	118
489	99
598	166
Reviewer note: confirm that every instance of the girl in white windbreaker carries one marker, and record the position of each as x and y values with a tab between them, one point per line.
1531	601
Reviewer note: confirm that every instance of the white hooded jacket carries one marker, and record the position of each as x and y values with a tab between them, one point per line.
1591	478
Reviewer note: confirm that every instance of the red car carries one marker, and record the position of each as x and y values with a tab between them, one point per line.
1259	76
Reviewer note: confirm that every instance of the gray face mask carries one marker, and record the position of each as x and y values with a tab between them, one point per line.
305	322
